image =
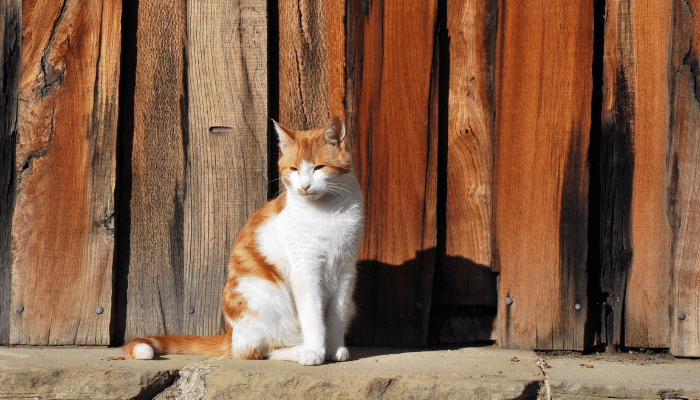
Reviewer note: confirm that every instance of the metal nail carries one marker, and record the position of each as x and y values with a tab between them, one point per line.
191	310
577	306
508	301
99	309
681	315
19	308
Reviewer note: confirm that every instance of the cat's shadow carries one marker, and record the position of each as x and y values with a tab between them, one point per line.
428	300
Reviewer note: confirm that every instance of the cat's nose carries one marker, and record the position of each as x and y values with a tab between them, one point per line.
305	187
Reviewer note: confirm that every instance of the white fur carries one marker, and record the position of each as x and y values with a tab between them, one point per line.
266	302
143	351
314	243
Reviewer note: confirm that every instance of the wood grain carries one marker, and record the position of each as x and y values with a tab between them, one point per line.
648	297
463	275
62	230
304	61
637	102
226	173
540	205
617	163
155	294
10	59
684	181
395	128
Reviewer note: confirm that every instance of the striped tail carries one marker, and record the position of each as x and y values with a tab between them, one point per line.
152	346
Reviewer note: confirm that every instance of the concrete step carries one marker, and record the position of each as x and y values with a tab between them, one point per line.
482	372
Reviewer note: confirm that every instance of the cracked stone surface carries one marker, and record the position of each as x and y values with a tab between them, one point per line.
482	372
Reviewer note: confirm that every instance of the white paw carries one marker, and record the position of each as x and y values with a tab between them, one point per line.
342	354
311	357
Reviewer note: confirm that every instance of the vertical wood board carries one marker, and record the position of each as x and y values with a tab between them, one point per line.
637	66
226	171
684	181
617	163
155	295
10	59
311	62
463	275
540	205
395	128
62	230
304	63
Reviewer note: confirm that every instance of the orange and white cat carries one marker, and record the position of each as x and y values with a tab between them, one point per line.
292	269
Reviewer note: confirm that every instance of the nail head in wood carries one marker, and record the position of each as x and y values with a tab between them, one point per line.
191	310
508	301
99	310
681	315
19	308
577	306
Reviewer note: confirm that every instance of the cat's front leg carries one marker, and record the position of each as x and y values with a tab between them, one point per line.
306	287
340	312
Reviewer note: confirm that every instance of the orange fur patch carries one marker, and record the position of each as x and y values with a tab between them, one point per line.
246	260
219	345
233	304
312	147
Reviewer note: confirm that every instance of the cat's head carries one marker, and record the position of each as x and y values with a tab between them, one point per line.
313	163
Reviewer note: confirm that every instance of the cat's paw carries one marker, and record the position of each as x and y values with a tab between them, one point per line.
311	357
342	354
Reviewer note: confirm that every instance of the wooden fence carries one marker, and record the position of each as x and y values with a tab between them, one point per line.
531	168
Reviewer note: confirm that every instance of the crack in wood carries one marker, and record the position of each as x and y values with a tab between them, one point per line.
52	75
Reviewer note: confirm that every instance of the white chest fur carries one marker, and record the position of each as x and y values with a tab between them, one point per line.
325	231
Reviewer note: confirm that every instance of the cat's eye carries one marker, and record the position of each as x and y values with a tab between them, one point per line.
318	167
294	169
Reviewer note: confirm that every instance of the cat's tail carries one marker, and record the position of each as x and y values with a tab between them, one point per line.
152	346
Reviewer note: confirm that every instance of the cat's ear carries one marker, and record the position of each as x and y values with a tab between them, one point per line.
286	136
335	131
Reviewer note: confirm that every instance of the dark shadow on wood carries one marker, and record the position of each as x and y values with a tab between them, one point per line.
394	316
123	185
596	301
273	96
10	60
617	161
454	320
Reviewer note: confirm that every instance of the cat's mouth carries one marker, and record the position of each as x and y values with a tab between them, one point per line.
310	195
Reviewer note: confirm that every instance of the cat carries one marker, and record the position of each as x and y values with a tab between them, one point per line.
292	268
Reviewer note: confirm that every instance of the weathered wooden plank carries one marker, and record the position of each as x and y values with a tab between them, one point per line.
463	275
226	174
303	64
336	37
635	118
648	297
155	294
616	174
684	181
395	126
540	205
10	58
312	62
62	232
